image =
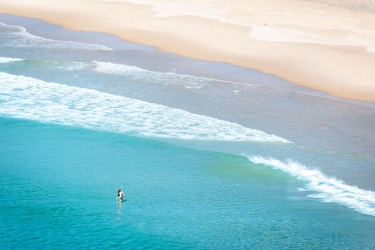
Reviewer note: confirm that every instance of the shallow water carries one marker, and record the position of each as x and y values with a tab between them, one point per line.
59	187
205	161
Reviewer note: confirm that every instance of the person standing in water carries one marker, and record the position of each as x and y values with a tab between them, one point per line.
120	194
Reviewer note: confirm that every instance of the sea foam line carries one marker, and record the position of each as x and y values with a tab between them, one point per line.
33	99
136	73
9	59
327	189
18	36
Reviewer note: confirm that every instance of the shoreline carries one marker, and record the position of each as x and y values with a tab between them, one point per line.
171	62
346	69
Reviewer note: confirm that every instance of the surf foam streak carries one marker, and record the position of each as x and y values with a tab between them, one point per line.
135	73
9	59
33	99
327	189
17	36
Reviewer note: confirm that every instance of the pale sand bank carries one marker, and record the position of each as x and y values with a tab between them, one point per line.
317	44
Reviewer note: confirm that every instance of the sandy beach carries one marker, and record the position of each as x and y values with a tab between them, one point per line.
320	45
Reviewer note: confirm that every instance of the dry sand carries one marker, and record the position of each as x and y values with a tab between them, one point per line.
317	44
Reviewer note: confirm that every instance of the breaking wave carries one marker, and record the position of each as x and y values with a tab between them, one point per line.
326	189
17	37
33	99
9	59
137	74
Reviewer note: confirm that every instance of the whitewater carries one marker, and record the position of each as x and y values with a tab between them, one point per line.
33	99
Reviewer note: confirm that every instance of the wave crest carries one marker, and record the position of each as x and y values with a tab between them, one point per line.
9	59
327	189
30	98
17	36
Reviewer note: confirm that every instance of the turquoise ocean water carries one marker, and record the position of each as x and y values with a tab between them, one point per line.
207	160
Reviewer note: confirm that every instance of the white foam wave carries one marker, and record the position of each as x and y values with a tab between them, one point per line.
138	74
30	98
17	36
11	28
9	59
69	66
73	66
117	69
327	189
